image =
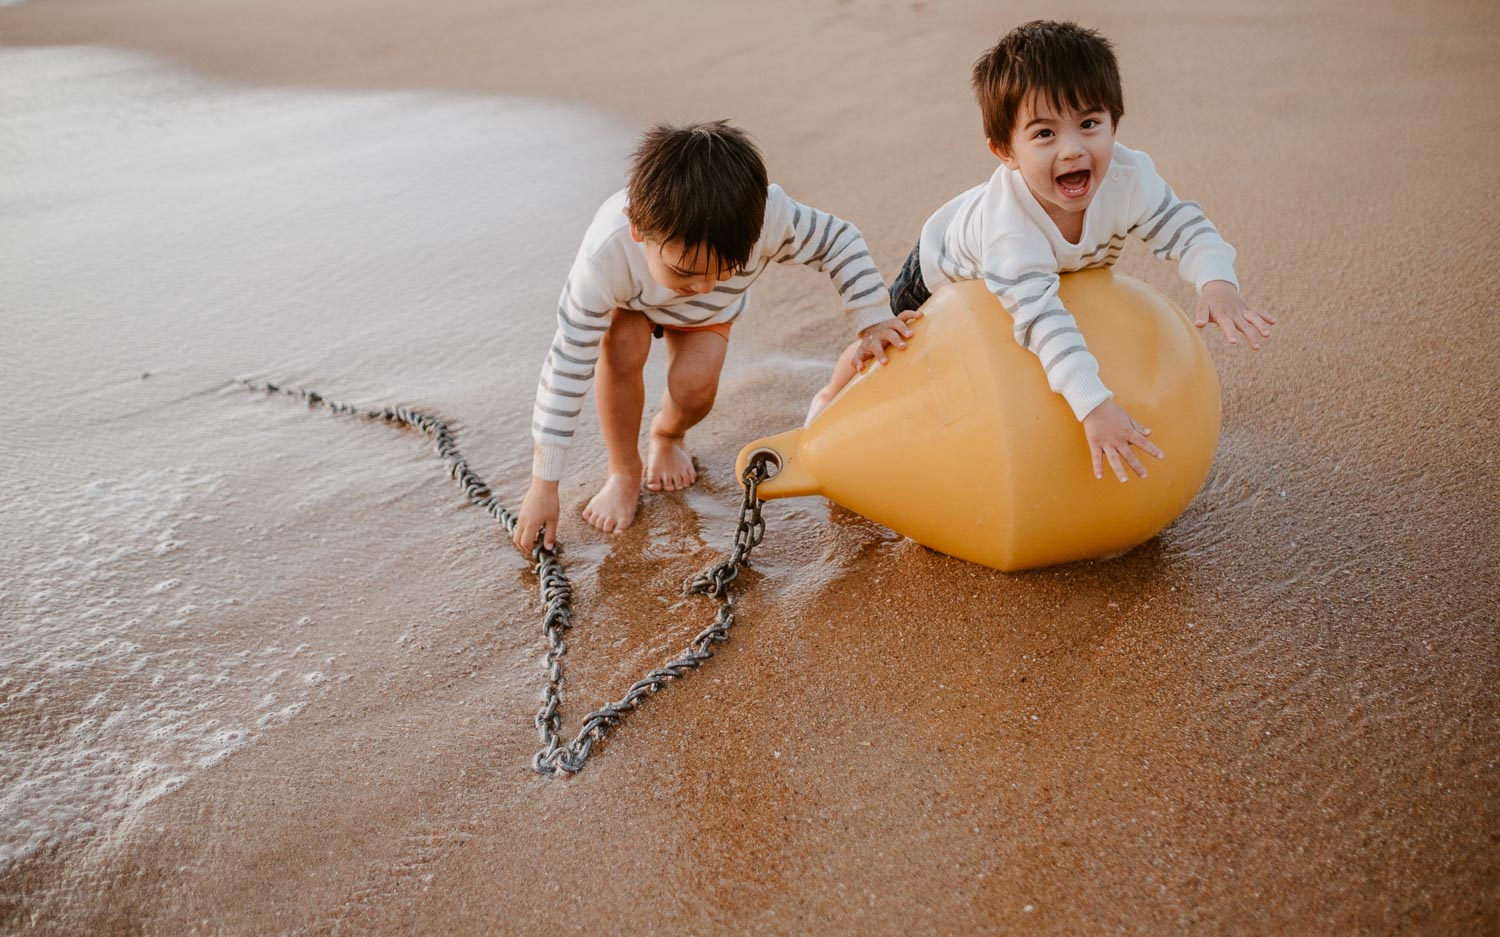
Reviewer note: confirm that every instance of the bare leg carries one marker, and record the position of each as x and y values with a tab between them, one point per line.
693	366
620	391
843	373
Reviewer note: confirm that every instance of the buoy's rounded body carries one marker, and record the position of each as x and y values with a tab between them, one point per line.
958	442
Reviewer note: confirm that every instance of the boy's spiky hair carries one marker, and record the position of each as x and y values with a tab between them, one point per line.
1066	64
702	184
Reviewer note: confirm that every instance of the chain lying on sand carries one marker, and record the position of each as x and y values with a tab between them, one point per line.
555	758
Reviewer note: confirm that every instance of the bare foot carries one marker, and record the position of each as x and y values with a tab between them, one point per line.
668	465
613	508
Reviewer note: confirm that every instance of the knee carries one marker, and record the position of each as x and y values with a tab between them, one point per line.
694	392
627	342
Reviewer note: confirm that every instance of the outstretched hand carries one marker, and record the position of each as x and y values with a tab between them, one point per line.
1220	302
1111	434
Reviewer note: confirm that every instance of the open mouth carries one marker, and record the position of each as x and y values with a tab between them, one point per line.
1073	184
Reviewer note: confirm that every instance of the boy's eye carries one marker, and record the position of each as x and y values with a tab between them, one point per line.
1091	123
1043	134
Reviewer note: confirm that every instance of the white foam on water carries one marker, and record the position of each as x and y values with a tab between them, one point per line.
112	693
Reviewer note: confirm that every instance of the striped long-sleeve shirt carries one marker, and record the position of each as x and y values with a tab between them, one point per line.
998	232
610	273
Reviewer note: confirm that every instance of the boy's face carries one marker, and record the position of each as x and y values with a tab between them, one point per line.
1062	154
683	271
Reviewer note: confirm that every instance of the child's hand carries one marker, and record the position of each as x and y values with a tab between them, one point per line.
893	331
1220	302
539	510
1111	432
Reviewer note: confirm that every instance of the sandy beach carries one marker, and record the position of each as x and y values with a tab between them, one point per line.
263	671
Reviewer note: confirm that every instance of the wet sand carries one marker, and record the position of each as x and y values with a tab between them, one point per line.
262	671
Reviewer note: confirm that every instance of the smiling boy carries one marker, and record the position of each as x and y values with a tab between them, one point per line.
674	255
1064	198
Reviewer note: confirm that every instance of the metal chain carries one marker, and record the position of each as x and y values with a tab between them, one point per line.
554	757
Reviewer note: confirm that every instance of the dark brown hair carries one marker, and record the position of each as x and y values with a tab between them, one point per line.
701	184
1065	64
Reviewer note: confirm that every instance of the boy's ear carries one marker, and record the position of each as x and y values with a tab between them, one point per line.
634	233
1002	153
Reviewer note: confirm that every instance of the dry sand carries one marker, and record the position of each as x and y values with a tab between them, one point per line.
263	672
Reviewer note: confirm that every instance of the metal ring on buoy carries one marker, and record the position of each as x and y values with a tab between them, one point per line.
770	457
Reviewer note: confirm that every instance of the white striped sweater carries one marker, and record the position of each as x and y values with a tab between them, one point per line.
998	232
610	272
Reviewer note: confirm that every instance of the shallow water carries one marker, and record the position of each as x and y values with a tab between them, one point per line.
166	234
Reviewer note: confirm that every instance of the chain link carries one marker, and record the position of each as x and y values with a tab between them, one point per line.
555	757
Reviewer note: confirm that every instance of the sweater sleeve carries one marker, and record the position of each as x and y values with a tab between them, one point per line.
805	235
583	313
1022	273
1178	230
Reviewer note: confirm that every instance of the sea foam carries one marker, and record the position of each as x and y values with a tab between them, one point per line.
117	684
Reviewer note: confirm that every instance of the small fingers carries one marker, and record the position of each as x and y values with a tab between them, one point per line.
1144	444
1226	328
1098	465
1114	463
1243	326
894	335
1134	462
1200	317
1262	321
526	536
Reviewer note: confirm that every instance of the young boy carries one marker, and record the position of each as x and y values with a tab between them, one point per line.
674	255
1064	198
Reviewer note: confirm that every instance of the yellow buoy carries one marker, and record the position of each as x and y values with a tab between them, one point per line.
959	443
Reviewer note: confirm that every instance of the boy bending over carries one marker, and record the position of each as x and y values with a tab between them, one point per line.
674	255
1064	198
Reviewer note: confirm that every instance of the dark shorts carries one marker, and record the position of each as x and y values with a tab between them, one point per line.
908	292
